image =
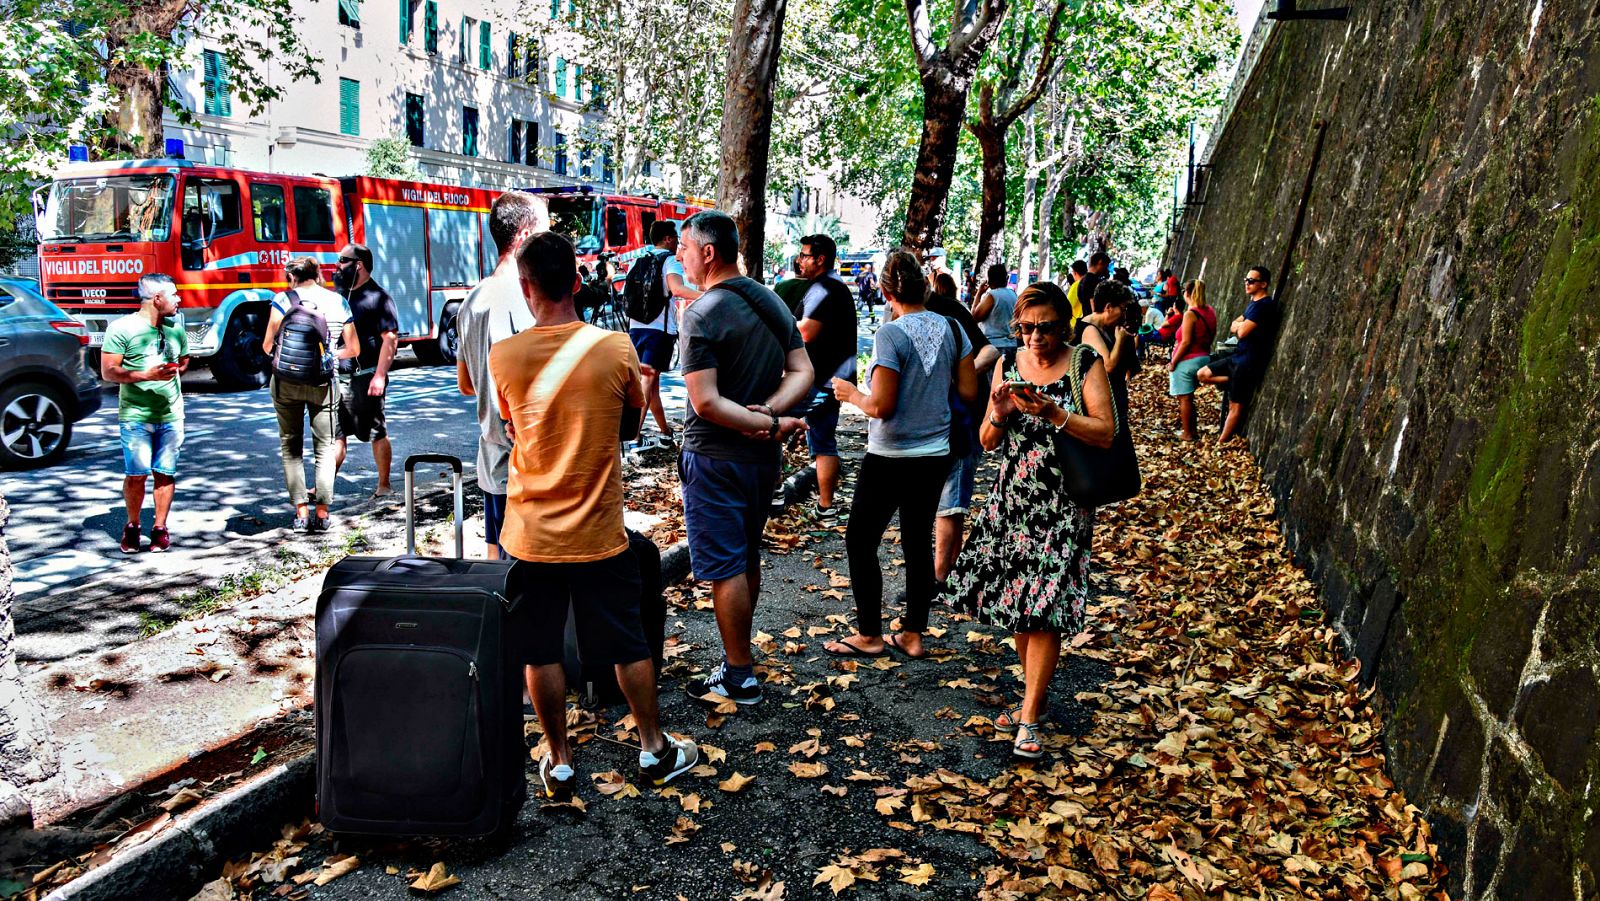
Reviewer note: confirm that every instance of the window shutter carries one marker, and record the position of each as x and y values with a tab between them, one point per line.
530	144
461	45
349	106
511	55
350	13
430	26
469	131
561	77
405	21
555	9
414	119
485	54
577	82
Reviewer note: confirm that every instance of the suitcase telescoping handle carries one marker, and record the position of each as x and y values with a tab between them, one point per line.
411	522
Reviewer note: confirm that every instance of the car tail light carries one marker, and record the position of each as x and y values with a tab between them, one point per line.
75	328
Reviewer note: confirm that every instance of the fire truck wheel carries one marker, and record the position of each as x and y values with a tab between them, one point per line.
240	364
34	427
441	352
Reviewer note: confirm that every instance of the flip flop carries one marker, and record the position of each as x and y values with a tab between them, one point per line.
854	651
893	641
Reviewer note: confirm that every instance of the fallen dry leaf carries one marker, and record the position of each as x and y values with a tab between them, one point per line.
437	879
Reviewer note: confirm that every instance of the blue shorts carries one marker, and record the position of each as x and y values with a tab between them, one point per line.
654	347
494	516
1181	380
148	446
958	485
725	508
822	425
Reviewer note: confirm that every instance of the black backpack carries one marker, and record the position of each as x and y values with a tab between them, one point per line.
302	354
645	291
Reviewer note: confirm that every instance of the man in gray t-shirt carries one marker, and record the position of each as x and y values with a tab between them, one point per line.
742	360
494	311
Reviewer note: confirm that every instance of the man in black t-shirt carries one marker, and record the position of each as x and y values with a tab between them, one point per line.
363	382
1099	271
828	325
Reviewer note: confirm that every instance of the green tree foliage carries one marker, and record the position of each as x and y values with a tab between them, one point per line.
94	72
390	157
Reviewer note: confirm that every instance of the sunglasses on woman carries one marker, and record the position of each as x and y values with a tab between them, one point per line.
1046	328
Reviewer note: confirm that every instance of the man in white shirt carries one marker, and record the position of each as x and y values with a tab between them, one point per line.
494	311
654	340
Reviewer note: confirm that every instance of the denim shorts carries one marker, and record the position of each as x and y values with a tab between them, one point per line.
150	446
1181	380
822	425
654	347
958	485
725	509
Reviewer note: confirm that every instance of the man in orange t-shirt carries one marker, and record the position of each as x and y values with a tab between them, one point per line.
570	393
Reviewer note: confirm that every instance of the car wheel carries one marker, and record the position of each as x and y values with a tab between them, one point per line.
240	364
34	428
449	334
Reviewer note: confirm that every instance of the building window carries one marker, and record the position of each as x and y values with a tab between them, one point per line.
513	59
350	13
555	8
349	106
607	173
559	149
485	54
531	66
430	26
218	102
469	131
577	82
561	77
414	120
467	25
266	208
408	11
585	164
313	215
524	143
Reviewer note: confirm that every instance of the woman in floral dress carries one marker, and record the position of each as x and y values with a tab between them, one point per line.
1026	566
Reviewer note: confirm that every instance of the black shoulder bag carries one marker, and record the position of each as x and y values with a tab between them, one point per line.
1094	476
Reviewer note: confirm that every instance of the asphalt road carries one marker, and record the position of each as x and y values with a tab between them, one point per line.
66	521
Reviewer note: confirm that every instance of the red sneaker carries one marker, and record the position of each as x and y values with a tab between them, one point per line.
130	539
160	540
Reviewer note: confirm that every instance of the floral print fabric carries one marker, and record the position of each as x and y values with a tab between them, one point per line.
1025	567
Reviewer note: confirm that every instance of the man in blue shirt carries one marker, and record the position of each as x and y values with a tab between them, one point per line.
1257	331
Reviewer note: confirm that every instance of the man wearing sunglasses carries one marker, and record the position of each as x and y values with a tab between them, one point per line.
144	353
362	387
1241	372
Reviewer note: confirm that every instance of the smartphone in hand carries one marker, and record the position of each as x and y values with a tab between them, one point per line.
1021	387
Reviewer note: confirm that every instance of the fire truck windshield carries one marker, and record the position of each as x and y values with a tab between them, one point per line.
579	219
110	208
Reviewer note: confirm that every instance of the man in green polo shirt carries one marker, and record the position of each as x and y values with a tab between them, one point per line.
144	353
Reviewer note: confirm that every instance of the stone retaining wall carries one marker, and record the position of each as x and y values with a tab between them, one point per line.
1431	425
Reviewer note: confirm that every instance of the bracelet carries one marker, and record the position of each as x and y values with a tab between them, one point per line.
997	423
773	432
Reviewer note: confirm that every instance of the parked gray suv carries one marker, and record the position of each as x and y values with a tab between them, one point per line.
45	385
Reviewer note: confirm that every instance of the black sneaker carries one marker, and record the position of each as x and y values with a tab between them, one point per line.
714	684
131	539
678	757
319	524
557	789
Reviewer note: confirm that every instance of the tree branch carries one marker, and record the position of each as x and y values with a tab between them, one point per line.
921	32
1047	63
967	45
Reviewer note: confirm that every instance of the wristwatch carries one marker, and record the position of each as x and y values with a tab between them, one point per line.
773	432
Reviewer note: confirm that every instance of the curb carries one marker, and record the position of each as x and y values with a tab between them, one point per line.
177	862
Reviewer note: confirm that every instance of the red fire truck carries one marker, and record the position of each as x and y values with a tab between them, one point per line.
610	231
225	234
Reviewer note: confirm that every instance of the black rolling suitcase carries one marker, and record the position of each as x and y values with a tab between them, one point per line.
419	717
